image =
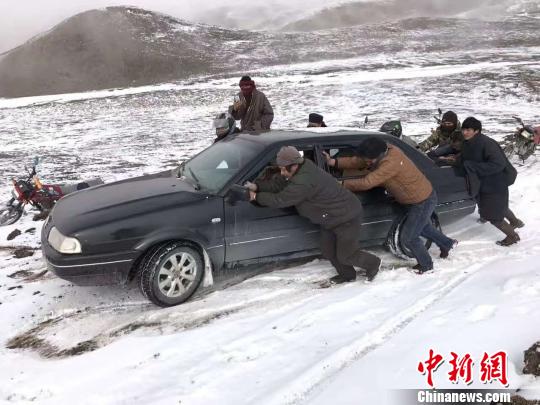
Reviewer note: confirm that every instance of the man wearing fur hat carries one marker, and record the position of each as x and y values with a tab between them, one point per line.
252	107
444	140
318	197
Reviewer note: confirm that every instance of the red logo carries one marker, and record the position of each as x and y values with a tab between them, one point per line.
492	368
461	368
431	366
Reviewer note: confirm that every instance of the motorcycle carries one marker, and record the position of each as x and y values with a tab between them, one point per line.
42	197
521	142
394	128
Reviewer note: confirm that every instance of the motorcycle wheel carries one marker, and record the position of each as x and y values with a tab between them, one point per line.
10	214
526	150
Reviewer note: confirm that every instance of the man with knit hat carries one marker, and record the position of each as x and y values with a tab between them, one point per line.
489	173
318	197
393	170
446	139
252	107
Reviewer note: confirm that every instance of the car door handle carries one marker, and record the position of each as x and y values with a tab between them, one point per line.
216	220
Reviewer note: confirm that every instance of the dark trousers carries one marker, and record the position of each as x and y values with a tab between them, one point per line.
418	223
341	246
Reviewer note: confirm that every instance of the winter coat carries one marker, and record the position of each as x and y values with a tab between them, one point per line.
315	194
489	174
395	172
439	138
256	116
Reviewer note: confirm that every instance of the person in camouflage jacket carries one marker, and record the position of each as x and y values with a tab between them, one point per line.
446	139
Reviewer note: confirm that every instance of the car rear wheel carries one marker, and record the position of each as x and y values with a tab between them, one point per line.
394	237
170	274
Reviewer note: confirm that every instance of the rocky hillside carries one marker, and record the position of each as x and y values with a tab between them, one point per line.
115	47
373	12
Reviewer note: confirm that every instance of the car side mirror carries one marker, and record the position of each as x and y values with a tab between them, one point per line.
237	193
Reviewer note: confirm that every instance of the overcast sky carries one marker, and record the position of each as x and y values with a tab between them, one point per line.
22	19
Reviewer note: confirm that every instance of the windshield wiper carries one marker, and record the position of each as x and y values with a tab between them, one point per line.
197	182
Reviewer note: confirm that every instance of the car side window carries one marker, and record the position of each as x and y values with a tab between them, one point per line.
270	167
345	152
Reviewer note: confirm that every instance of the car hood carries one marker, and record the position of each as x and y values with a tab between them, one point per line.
114	201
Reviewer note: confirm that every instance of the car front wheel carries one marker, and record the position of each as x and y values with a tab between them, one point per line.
170	274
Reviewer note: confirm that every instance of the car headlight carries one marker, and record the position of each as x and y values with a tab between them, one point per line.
63	244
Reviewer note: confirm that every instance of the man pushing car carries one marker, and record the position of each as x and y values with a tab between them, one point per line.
318	197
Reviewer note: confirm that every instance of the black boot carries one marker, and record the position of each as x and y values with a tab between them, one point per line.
445	252
418	269
511	235
515	222
373	269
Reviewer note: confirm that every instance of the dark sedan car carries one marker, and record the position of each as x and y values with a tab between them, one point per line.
190	226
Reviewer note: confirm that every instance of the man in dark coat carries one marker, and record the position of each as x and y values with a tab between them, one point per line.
318	197
489	173
252	107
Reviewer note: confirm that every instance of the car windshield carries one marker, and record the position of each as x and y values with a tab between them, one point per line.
214	167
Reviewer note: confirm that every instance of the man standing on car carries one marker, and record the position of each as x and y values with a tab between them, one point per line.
251	107
391	169
318	197
489	173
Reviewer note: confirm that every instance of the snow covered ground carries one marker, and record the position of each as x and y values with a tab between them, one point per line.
278	338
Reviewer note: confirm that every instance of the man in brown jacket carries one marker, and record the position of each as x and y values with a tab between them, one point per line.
253	108
391	169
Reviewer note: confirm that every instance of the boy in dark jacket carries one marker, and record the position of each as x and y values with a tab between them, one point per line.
487	169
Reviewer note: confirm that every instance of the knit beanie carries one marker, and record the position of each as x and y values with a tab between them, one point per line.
450	116
288	155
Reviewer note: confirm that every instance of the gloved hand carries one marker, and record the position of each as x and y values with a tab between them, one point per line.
250	186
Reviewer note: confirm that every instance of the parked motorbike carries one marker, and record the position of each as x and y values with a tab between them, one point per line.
394	128
41	196
521	142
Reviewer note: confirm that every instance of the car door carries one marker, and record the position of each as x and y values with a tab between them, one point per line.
253	231
380	209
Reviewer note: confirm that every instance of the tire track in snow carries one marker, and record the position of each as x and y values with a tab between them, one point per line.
302	388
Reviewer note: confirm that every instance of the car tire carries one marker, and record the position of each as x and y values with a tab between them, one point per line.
169	274
394	237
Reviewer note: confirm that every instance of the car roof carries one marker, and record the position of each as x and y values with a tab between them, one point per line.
306	135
